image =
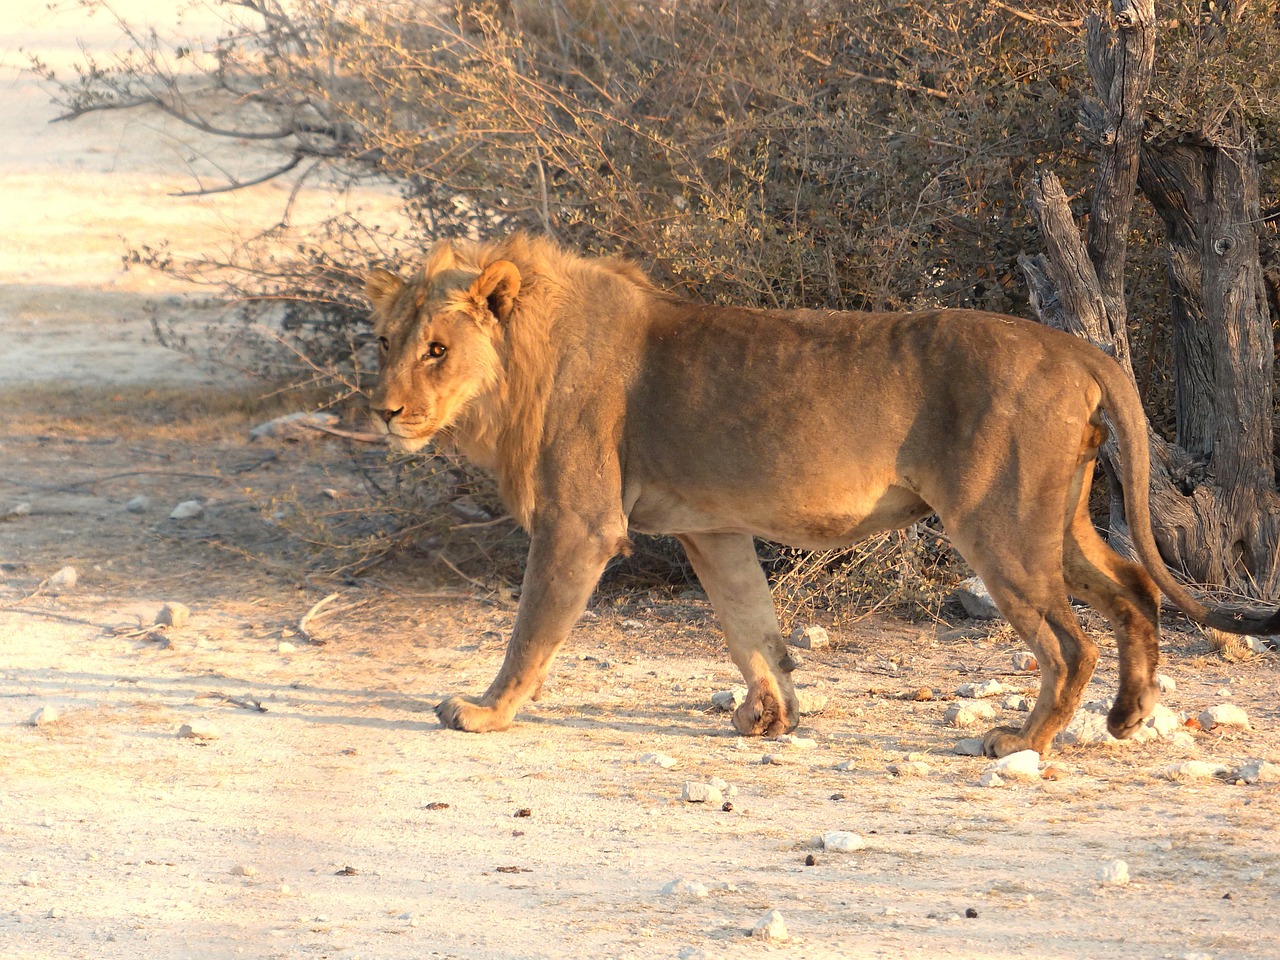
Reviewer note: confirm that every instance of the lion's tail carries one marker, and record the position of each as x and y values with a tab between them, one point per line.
1123	407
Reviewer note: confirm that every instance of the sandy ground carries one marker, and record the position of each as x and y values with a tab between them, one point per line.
331	817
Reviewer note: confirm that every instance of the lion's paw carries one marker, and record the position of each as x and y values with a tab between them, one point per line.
1127	714
1002	741
765	713
459	713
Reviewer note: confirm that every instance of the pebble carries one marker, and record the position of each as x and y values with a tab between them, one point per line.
1165	683
911	768
777	759
811	702
187	510
771	928
44	715
174	615
17	510
1016	701
968	712
31	879
1023	765
968	747
1194	770
811	637
1115	873
1161	725
728	700
1261	644
684	888
244	870
725	788
842	841
1258	771
56	913
846	766
659	759
979	691
1223	715
138	504
1088	726
1025	660
694	792
199	730
991	779
632	624
976	600
284	646
64	581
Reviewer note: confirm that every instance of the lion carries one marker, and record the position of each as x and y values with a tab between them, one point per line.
605	405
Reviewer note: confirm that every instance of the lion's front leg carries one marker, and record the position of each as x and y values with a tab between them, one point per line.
729	571
565	562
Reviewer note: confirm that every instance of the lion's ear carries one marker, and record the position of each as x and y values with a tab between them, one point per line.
381	287
498	286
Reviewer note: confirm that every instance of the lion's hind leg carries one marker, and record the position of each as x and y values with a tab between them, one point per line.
1125	594
727	567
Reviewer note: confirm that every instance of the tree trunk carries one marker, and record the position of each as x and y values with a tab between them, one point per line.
1214	505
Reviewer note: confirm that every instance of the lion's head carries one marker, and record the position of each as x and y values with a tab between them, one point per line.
439	341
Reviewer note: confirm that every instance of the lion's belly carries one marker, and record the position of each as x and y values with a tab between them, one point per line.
814	519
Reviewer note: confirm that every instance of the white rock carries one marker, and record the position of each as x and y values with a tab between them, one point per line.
1261	644
729	699
724	786
295	426
968	747
1258	771
199	730
842	841
659	759
1194	770
174	615
1161	725
976	600
694	792
44	715
987	688
846	766
31	879
911	768
1016	701
187	510
632	625
284	646
1023	765
777	759
1084	728
138	504
811	637
811	702
1025	660
56	913
991	779
244	870
64	581
1115	873
796	743
771	928
1165	683
684	888
1223	715
965	713
17	510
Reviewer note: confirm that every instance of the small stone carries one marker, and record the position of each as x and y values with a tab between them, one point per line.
44	715
811	637
811	702
1025	661
846	766
728	700
1053	772
1161	725
684	888
187	510
17	510
1086	727
199	730
976	600
244	870
1016	701
1114	873
912	768
980	691
174	615
659	759
1258	771
1260	644
991	779
31	879
1166	684
966	713
1223	715
723	786
1194	770
64	581
970	913
632	624
284	646
777	759
842	841
771	928
694	792
968	747
811	861
923	695
138	504
56	913
1023	765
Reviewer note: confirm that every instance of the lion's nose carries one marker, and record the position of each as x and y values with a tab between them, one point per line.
388	415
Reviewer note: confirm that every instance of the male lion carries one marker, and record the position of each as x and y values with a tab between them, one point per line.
605	404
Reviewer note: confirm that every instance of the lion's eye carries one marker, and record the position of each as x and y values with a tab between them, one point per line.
435	350
384	344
